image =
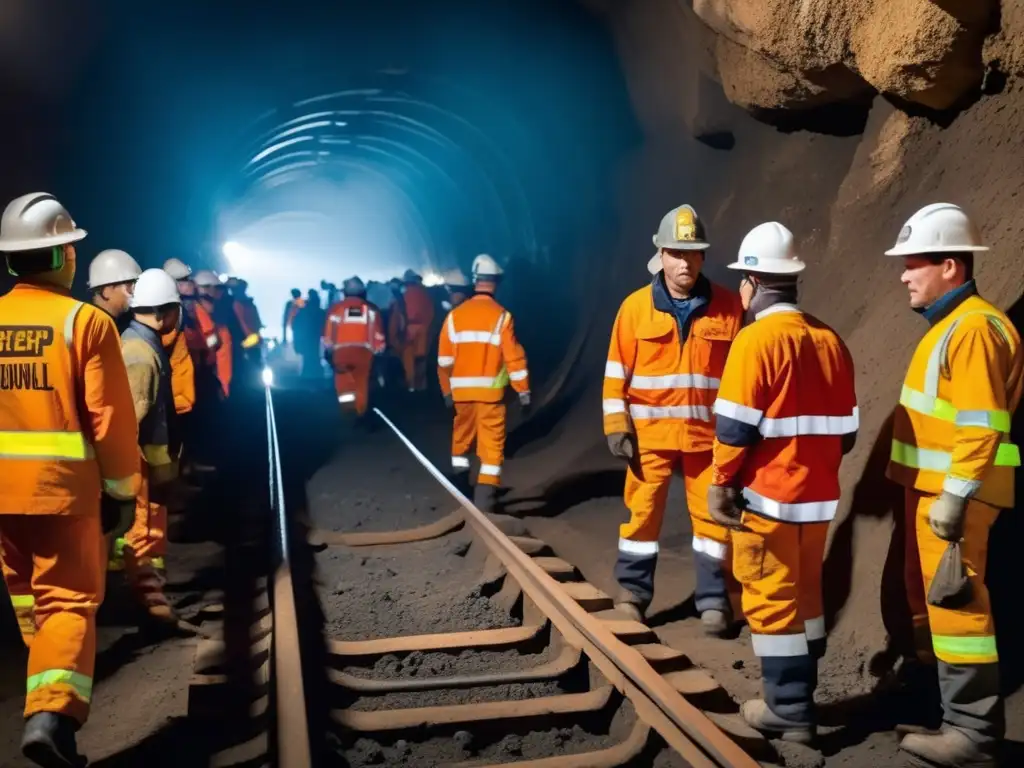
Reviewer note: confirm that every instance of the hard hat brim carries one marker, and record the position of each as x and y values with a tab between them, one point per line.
916	250
654	265
38	243
680	245
782	268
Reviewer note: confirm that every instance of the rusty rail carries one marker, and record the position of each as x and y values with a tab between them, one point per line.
683	727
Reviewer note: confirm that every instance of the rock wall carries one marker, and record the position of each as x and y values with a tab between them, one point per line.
912	101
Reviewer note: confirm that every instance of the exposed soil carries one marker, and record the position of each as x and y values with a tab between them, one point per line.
468	661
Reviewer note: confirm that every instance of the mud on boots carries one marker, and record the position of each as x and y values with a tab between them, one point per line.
478	356
786	415
667	351
51	527
953	455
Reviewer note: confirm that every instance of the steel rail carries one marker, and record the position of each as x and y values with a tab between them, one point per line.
683	727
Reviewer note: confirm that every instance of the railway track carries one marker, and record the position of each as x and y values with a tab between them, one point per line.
600	687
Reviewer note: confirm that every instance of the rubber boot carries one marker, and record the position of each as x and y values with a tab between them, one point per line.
49	741
761	718
485	498
716	623
950	748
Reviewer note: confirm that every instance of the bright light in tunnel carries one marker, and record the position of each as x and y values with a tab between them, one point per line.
432	278
236	254
268	376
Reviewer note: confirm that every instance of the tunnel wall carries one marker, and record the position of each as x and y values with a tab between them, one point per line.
842	159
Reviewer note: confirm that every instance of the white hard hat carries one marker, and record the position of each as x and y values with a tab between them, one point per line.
654	264
485	266
113	266
155	288
353	287
177	269
206	278
768	249
36	221
456	278
938	228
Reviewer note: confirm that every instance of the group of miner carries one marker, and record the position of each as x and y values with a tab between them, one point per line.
752	400
96	406
746	395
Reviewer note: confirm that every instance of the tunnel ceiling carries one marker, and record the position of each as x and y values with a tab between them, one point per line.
447	128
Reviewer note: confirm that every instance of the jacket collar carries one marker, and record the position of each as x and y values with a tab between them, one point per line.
700	295
145	332
945	304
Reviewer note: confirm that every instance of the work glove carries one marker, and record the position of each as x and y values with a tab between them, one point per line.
524	399
946	516
449	402
116	515
725	506
621	445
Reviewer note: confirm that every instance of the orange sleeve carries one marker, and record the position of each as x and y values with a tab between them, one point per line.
618	369
110	411
742	399
183	376
379	340
515	357
445	357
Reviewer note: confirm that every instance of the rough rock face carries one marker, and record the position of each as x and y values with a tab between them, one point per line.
799	54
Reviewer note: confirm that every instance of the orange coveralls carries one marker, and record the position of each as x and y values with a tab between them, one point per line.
661	386
786	405
353	333
477	356
419	314
67	432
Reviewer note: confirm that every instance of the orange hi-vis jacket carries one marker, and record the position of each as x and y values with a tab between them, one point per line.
67	420
478	353
354	322
787	399
419	307
659	387
183	375
249	321
217	338
951	430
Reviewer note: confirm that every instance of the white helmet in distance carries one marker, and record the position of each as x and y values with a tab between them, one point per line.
155	288
206	278
484	266
456	278
111	267
36	221
938	228
177	269
768	249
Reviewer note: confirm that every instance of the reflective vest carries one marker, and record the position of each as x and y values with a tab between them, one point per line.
478	354
158	425
354	323
659	386
786	400
951	429
217	338
67	427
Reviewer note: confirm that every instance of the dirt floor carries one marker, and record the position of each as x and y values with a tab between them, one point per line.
141	694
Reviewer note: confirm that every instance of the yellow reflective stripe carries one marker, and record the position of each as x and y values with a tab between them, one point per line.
68	446
157	455
81	684
945	411
251	341
23	601
158	563
1007	455
977	650
501	380
122	488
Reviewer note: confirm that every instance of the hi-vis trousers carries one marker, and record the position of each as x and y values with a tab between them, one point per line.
647	483
963	642
142	551
352	369
414	356
779	565
485	423
54	569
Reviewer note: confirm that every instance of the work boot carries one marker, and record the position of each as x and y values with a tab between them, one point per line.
485	498
629	604
950	748
49	741
632	610
716	623
761	718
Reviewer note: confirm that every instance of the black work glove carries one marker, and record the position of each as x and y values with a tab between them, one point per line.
621	445
116	515
724	506
448	401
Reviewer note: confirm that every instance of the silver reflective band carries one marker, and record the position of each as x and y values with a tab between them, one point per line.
460	462
698	412
815	628
641	548
465	382
737	412
716	550
779	645
346	397
674	381
518	375
791	512
793	426
613	405
444	361
614	370
490	469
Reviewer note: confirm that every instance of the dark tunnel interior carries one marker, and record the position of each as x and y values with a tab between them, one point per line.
337	139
